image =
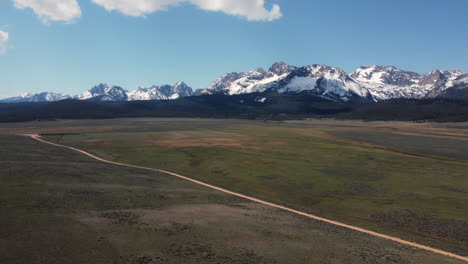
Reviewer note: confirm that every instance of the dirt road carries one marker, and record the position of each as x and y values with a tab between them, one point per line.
318	218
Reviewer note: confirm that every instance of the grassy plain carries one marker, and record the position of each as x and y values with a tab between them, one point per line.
384	182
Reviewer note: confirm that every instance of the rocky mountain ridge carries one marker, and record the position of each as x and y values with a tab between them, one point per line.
370	82
105	93
376	82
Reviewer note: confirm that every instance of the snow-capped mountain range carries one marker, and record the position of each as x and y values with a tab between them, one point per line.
372	82
104	92
40	97
376	82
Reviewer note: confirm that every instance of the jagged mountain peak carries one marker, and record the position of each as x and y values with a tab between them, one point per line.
104	92
323	80
24	95
180	84
280	68
322	69
256	80
380	67
377	82
161	92
438	71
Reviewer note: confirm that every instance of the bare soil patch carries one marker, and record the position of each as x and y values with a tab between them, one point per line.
179	139
201	142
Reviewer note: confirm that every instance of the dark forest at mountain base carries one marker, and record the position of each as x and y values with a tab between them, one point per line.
247	106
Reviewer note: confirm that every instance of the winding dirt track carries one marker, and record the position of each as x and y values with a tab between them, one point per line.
318	218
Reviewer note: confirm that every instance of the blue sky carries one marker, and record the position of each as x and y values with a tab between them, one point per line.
70	49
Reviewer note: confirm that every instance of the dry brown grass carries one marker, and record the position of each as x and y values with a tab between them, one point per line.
182	139
201	142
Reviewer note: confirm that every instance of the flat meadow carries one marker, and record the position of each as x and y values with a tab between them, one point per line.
404	179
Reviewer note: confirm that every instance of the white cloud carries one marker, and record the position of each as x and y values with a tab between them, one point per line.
4	36
136	7
69	10
52	10
254	10
250	9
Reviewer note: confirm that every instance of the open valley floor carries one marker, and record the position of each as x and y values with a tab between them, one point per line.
406	180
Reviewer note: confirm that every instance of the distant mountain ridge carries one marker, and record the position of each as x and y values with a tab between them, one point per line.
35	98
106	93
374	83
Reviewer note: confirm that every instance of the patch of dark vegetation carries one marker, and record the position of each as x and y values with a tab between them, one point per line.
218	171
59	134
352	189
246	106
154	196
307	186
121	217
173	229
225	199
449	188
357	188
144	260
132	259
84	192
362	173
377	256
240	206
414	144
407	195
431	225
204	253
194	162
45	205
269	176
437	110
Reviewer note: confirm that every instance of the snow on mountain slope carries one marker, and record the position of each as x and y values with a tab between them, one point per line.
39	97
384	75
458	90
439	81
257	80
387	82
151	93
104	92
377	82
323	80
461	79
162	92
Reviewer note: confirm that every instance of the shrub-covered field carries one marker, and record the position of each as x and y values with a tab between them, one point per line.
309	166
